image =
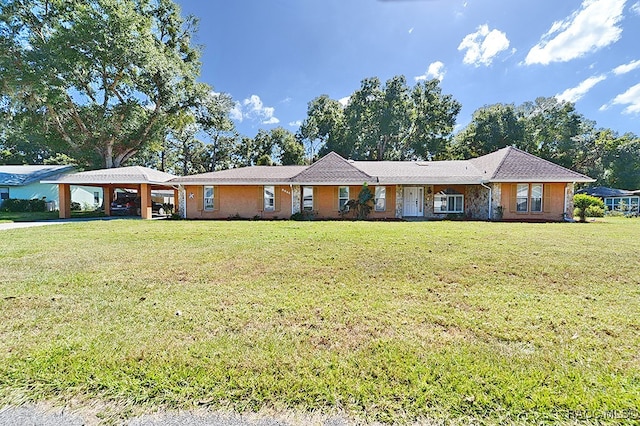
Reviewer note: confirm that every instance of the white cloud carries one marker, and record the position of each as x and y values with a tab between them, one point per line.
344	101
592	27
435	70
574	94
483	46
635	8
252	108
631	98
236	112
410	30
296	123
623	69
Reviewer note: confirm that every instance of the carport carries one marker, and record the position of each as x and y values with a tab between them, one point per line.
141	179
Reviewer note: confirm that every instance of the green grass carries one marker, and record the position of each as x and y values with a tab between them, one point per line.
393	322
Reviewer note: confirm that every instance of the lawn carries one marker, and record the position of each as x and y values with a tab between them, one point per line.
390	322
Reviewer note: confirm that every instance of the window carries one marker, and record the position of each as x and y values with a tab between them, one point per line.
522	197
269	198
536	197
208	197
307	198
96	197
4	193
381	198
448	201
343	196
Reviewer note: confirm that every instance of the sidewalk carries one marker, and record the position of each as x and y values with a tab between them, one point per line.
18	225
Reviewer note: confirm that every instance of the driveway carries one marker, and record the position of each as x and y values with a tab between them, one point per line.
18	225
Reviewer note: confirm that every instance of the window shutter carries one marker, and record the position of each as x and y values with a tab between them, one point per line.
260	201
336	201
276	192
200	197
315	198
513	199
546	198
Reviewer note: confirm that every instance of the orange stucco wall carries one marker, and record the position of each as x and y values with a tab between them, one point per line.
553	203
326	202
243	201
246	202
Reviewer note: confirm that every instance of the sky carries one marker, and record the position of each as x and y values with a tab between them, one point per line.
274	56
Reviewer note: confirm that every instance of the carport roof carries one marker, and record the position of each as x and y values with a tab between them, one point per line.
121	175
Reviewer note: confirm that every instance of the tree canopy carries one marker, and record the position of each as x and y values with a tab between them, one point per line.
98	80
382	122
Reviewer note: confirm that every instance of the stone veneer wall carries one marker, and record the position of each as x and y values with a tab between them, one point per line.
476	202
296	202
496	197
399	201
568	193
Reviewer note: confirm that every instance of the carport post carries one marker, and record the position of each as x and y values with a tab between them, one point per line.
107	193
176	201
145	201
64	199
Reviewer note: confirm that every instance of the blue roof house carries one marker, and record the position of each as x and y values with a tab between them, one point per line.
23	182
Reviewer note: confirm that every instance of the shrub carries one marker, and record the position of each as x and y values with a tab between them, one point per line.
19	206
594	211
582	202
75	206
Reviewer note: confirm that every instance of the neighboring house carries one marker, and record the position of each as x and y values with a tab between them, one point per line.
615	199
23	182
508	184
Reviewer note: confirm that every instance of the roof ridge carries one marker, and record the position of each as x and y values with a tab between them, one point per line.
328	157
504	157
547	161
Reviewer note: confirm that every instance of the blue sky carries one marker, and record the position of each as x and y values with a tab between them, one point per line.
274	56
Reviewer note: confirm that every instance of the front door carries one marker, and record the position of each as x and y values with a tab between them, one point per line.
413	200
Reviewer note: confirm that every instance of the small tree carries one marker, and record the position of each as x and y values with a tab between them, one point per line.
583	201
362	205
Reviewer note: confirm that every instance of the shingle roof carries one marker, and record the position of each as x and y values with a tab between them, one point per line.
515	165
122	175
421	172
24	175
332	168
603	191
242	175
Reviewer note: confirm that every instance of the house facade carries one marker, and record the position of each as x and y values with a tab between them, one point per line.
24	183
508	184
615	199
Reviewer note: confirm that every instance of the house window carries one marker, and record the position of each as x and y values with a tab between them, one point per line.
96	197
4	193
343	196
536	197
307	198
381	198
448	201
269	198
208	197
522	197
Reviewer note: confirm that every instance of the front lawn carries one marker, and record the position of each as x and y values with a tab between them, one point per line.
394	322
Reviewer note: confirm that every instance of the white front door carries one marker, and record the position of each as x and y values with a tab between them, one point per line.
413	200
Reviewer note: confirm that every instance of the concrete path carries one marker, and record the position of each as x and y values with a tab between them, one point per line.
33	415
19	225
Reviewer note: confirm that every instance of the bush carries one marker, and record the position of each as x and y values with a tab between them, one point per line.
75	207
582	202
21	206
594	211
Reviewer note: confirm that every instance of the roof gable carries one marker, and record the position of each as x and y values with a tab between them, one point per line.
26	174
332	168
511	164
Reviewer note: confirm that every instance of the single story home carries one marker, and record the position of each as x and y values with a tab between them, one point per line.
24	183
615	199
508	184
